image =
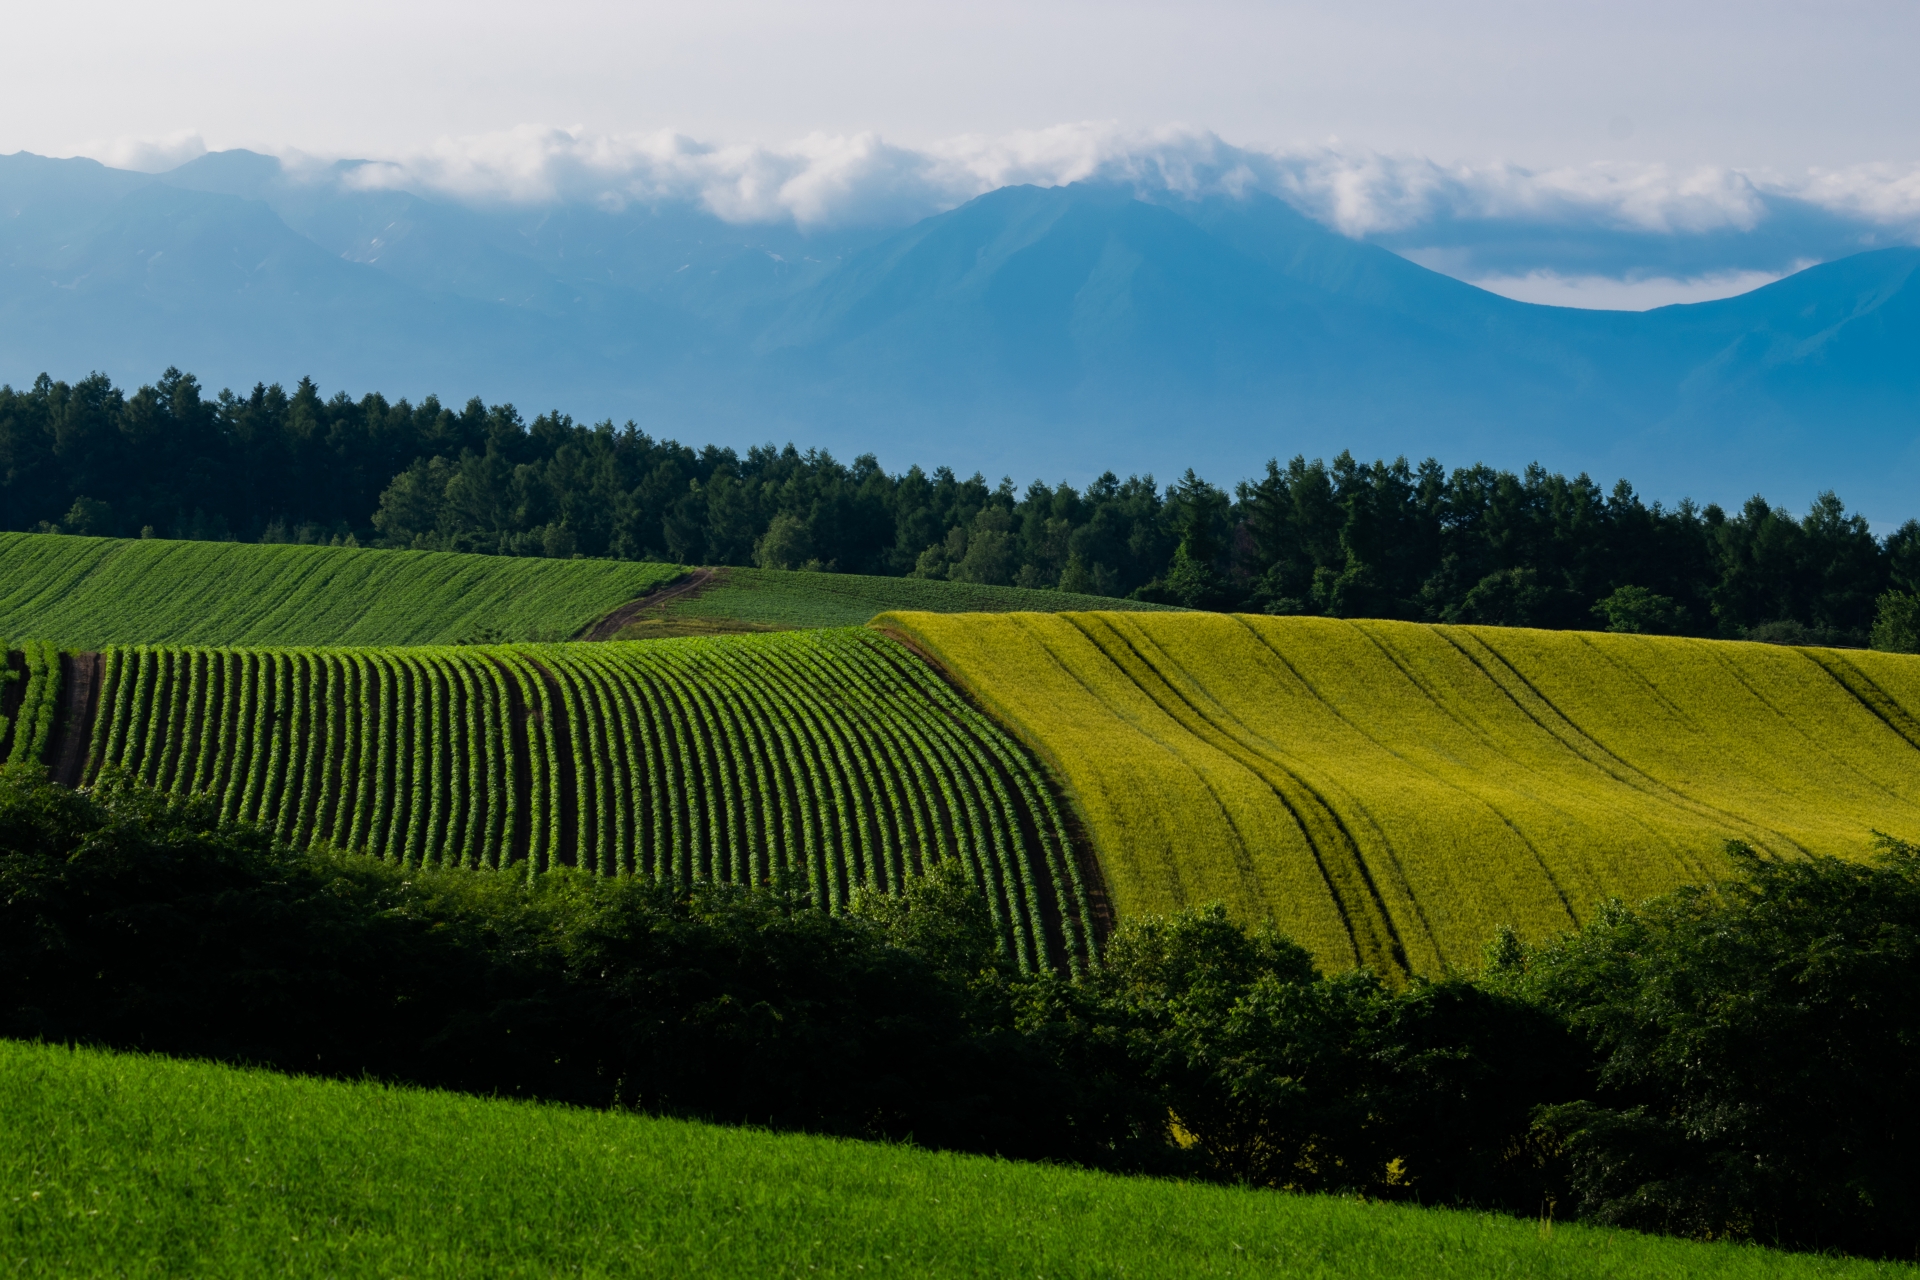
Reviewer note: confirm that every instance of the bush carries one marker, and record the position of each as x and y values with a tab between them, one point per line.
1269	1073
1755	1041
1896	624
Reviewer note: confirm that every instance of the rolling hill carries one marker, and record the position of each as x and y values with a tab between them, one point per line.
1391	793
1046	330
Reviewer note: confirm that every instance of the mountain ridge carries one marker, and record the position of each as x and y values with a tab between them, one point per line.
1032	330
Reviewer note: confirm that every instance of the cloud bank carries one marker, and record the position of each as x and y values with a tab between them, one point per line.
1574	232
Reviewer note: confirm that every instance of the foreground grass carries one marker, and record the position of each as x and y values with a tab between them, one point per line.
128	1165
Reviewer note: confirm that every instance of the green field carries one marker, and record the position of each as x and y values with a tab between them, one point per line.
87	593
821	760
1390	793
775	599
135	1166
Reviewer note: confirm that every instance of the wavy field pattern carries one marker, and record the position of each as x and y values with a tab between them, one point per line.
86	593
1391	793
822	760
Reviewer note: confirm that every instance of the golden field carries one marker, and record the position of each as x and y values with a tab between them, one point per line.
1390	793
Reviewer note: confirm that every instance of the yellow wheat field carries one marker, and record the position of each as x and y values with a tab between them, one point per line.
1390	793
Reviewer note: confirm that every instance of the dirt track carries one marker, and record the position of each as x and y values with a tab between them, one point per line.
685	589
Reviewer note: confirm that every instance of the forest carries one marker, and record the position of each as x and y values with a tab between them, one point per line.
1344	538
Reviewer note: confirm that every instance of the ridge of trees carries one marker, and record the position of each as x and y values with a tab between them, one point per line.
1346	538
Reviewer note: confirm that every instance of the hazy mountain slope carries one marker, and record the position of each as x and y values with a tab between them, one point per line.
1049	332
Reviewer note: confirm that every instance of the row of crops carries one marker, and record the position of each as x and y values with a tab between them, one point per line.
1391	793
90	592
27	732
825	761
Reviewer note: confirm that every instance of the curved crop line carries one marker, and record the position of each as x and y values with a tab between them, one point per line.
1652	689
1793	723
751	748
1172	757
794	762
899	758
1875	699
1381	917
941	714
1610	764
1493	746
865	847
995	826
635	728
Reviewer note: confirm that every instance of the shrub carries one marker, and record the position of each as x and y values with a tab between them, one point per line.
1755	1043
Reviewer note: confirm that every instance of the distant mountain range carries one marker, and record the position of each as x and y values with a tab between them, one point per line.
1042	332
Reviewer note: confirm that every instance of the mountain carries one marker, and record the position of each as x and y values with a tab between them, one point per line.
1039	332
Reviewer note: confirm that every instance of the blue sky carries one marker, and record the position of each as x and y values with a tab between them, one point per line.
1622	154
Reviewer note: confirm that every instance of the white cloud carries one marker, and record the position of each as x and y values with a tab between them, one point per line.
860	179
1611	235
1605	293
147	155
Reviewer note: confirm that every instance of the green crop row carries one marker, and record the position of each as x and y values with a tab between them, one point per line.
826	761
39	702
90	592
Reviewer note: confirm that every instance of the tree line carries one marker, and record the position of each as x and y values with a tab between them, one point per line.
1729	1061
1344	539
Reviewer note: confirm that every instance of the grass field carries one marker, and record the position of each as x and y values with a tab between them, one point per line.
1391	793
86	593
823	760
137	1166
773	599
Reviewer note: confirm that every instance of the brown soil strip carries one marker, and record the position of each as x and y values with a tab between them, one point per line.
73	727
681	589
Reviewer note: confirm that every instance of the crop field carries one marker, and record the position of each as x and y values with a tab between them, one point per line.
1391	793
87	593
123	1165
737	600
822	761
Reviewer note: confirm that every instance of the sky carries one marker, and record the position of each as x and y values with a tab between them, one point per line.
1644	152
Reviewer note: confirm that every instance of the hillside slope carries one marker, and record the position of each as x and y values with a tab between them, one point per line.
1393	792
126	1165
86	593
